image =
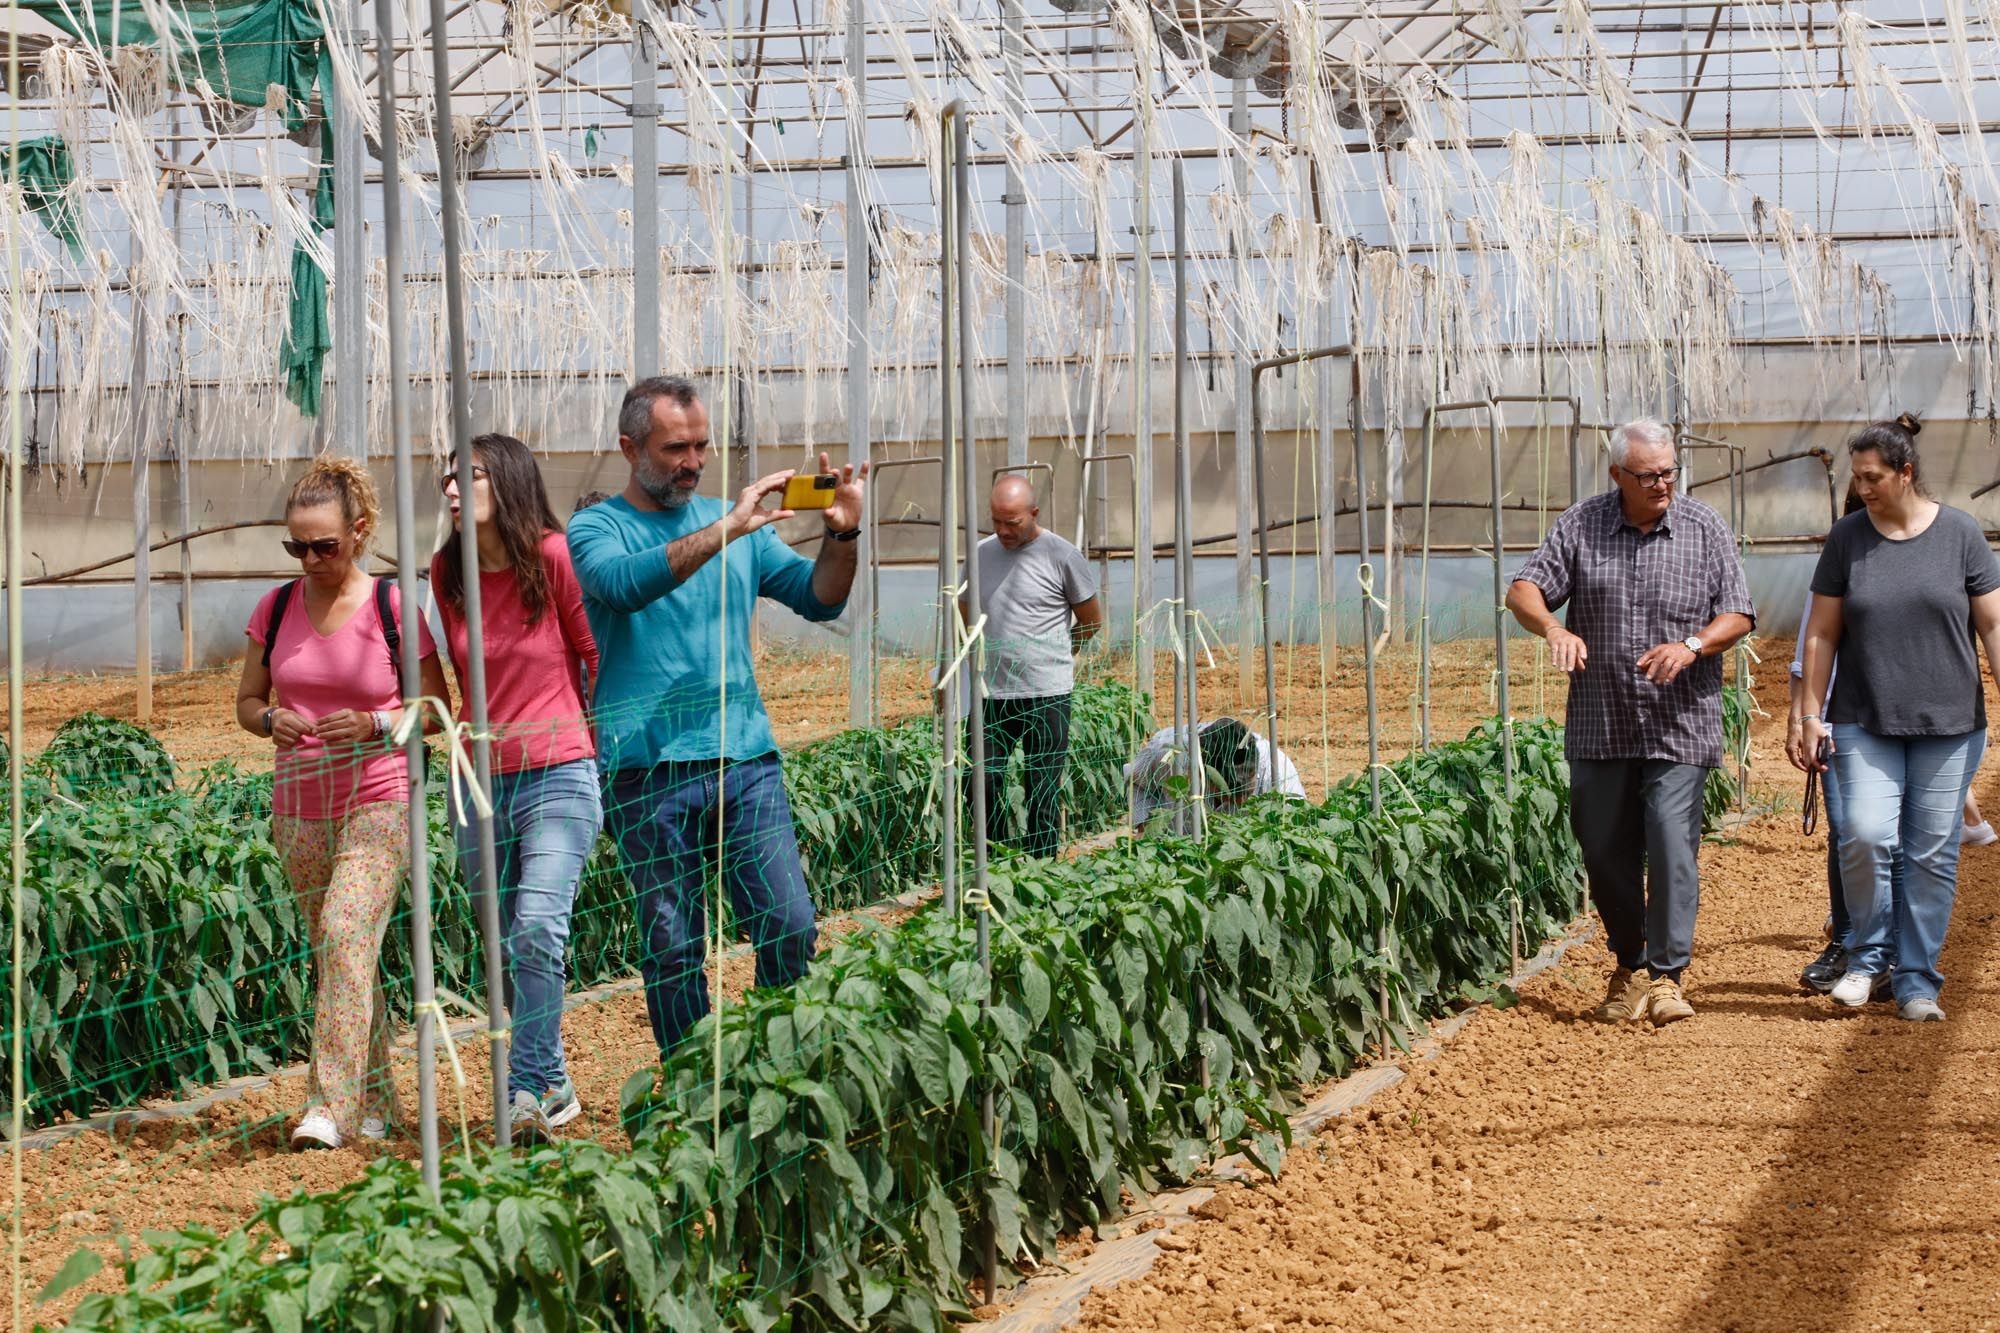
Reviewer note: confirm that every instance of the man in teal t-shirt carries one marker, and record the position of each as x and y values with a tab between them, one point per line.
670	581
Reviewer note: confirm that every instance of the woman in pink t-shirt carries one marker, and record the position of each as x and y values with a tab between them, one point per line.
546	803
340	792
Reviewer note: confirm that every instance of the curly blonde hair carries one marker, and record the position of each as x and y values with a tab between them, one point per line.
338	479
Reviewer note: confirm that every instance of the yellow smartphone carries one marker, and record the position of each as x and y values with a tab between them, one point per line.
811	491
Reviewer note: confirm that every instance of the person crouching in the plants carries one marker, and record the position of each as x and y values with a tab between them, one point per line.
328	643
1236	764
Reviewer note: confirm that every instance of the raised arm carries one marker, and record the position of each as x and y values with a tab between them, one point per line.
626	580
833	571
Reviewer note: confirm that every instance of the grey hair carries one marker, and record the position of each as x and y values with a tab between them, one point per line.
1644	430
635	414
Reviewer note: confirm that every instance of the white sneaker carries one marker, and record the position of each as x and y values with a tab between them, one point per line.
317	1130
372	1127
1854	988
1923	1009
1977	835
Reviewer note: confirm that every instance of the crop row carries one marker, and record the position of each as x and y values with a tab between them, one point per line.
816	1156
164	950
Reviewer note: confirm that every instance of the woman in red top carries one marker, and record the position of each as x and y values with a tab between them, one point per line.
546	804
340	792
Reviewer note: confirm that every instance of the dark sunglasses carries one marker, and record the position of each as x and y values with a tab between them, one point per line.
445	479
326	548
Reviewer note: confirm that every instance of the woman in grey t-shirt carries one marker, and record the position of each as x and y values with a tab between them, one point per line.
1901	593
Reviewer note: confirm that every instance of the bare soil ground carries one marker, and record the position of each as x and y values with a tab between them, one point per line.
1774	1163
212	1169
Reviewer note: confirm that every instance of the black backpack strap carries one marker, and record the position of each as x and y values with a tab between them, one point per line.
392	634
278	605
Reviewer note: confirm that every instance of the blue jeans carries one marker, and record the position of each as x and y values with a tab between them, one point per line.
545	823
1900	801
1836	893
665	820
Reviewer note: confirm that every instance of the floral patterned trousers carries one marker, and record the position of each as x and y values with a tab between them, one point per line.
345	873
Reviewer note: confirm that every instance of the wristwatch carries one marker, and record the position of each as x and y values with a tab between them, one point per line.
267	720
846	536
1693	644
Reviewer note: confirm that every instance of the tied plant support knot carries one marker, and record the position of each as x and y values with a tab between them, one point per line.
434	1009
969	637
464	776
1365	576
1205	639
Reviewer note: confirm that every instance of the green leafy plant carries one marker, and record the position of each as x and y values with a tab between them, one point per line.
94	757
1148	1007
165	950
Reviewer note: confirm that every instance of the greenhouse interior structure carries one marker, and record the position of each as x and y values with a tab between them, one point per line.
1305	323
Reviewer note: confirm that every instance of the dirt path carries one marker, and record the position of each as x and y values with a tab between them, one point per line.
1773	1164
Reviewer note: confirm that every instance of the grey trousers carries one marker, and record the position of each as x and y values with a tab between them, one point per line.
1638	822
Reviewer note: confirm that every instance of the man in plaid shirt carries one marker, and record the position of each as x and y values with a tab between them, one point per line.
1656	596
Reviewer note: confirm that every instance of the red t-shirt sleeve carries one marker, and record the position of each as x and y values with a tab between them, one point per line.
569	600
426	645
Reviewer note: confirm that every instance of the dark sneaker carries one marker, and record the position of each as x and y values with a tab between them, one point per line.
1823	971
525	1118
560	1104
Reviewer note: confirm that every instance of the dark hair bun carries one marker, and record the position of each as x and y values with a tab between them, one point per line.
1909	423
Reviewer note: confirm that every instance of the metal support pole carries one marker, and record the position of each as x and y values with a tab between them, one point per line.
862	641
183	501
1252	629
17	683
142	482
976	728
1366	573
1256	382
487	890
1012	44
1493	422
424	979
350	244
1142	391
645	195
1188	709
1329	501
949	483
1493	436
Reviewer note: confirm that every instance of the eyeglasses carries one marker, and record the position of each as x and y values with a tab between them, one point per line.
1651	479
326	548
447	479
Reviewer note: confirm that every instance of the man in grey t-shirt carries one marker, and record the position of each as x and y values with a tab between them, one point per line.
1040	602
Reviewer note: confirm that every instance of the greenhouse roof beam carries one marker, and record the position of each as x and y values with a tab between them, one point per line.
1700	69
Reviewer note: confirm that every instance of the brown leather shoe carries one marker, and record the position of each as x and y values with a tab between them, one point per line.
1664	1002
1624	999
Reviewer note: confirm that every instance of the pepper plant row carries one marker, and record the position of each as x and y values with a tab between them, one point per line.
164	950
815	1157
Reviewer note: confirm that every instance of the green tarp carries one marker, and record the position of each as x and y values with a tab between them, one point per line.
45	175
240	50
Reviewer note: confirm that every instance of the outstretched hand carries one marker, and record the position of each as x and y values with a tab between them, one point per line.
844	514
749	514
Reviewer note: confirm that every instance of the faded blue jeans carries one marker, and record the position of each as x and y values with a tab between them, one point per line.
545	823
1900	802
665	819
